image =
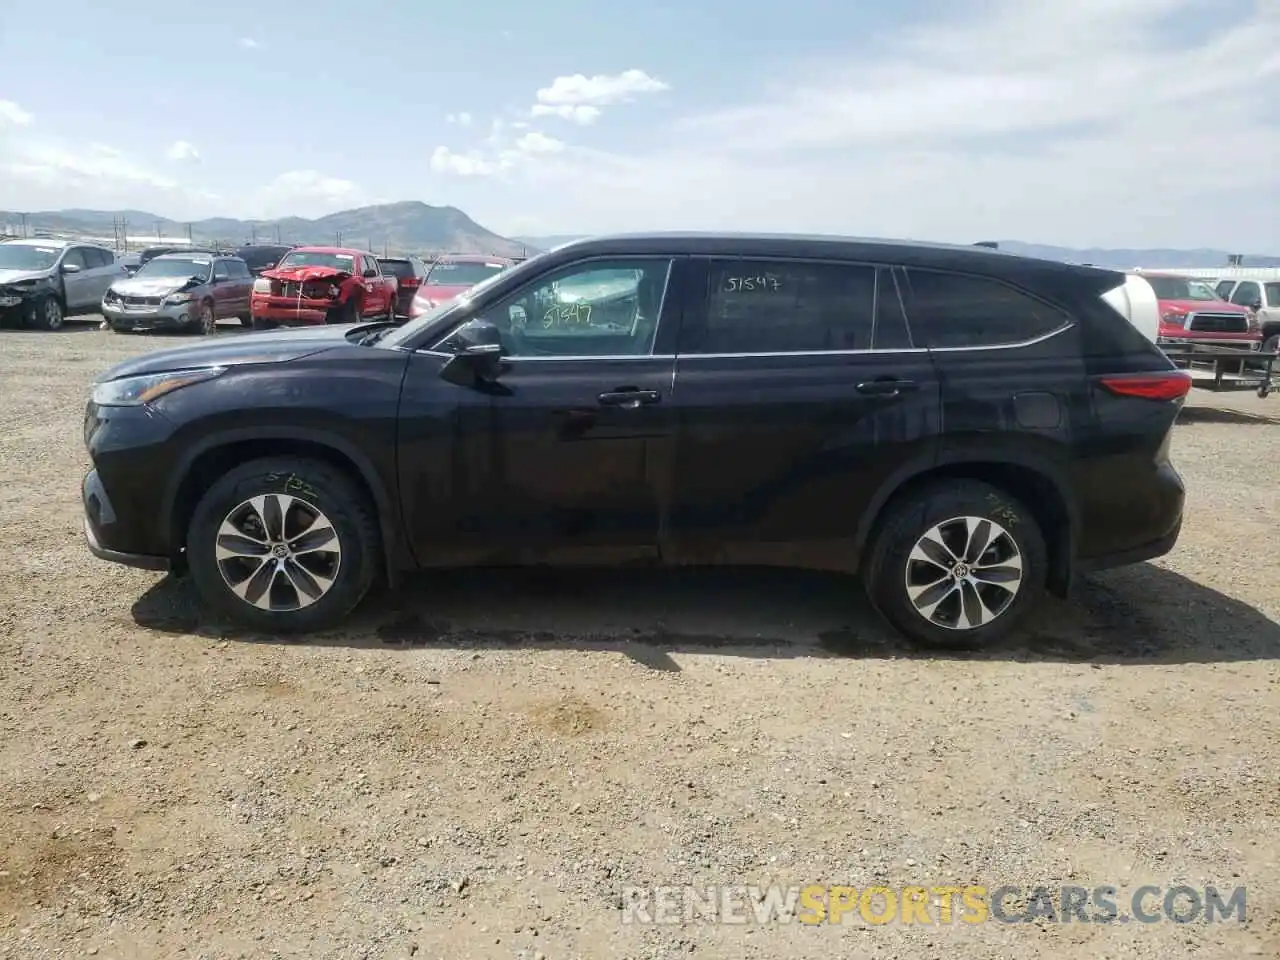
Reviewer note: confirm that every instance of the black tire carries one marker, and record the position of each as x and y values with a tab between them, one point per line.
316	485
909	517
207	319
47	314
262	323
246	321
1271	344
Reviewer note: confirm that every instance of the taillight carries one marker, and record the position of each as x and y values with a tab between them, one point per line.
1173	385
410	282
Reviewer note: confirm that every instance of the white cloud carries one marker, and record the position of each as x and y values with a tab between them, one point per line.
599	90
499	156
248	43
1062	121
183	151
461	119
580	99
12	115
583	114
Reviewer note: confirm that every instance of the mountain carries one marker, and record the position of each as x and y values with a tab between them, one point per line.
1158	258
1121	259
406	227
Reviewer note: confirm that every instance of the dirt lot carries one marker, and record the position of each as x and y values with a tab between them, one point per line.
479	769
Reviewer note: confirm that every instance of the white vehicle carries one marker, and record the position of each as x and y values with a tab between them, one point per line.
1136	301
1260	292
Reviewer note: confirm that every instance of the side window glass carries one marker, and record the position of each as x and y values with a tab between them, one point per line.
599	309
1273	295
763	306
950	310
1247	294
96	257
371	267
1224	288
891	330
220	270
75	257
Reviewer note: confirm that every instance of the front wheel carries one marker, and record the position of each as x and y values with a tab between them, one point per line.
283	545
47	314
206	320
958	564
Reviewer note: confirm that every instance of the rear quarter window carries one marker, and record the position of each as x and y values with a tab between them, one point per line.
948	310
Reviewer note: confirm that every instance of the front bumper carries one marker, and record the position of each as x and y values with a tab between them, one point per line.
162	317
292	311
101	528
1242	343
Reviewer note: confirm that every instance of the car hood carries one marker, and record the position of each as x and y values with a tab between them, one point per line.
14	276
238	349
303	274
153	286
1202	306
441	292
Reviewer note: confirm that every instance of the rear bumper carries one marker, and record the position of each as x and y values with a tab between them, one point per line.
100	527
1163	524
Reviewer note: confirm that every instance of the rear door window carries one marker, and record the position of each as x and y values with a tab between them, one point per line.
783	306
947	310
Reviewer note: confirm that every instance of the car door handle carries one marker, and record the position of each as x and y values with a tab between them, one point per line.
629	398
887	387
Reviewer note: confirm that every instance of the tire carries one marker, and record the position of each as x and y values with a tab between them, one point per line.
1271	344
207	320
312	488
246	321
349	312
262	323
47	315
938	512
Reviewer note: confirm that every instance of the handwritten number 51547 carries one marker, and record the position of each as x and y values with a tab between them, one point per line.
750	284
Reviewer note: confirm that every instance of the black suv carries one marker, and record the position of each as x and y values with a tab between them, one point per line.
262	256
963	427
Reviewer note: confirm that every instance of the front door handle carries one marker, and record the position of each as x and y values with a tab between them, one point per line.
887	387
629	398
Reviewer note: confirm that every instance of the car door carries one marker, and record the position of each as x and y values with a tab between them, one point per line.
222	290
241	287
797	395
104	270
79	284
563	459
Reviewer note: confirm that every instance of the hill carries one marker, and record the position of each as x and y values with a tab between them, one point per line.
408	226
1121	259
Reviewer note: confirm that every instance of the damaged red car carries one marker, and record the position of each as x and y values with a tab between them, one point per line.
316	285
453	274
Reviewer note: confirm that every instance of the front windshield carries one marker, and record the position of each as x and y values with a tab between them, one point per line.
461	274
422	322
310	258
1180	288
180	268
26	256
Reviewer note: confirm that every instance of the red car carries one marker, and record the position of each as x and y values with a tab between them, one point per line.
409	273
453	274
314	285
1191	313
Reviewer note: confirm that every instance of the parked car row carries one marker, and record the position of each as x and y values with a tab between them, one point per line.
185	287
1192	313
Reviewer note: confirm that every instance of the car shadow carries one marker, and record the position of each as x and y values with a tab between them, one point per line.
1144	614
1193	415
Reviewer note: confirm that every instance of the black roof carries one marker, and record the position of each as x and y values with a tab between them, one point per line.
967	257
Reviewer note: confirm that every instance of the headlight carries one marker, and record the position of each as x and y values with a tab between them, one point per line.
262	285
178	298
135	391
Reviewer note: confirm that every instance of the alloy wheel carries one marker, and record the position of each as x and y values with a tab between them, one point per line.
52	314
207	322
963	573
278	553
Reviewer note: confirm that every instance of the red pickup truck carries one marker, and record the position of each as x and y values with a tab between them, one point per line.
1192	314
315	285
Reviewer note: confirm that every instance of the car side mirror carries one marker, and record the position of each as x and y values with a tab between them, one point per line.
477	357
71	268
1256	305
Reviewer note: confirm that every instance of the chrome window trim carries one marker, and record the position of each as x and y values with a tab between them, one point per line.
801	353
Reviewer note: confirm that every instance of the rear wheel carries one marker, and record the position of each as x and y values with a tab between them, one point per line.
246	320
283	545
957	564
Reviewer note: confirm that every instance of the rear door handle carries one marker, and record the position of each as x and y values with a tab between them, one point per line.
887	387
629	398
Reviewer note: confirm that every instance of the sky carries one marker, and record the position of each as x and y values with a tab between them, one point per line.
1115	123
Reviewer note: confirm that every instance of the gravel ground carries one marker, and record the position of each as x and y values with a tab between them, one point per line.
481	770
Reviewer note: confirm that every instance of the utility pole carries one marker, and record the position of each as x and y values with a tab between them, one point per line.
384	248
277	233
253	233
124	233
190	239
24	225
337	238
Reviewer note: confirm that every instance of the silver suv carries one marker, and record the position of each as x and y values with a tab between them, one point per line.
44	281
